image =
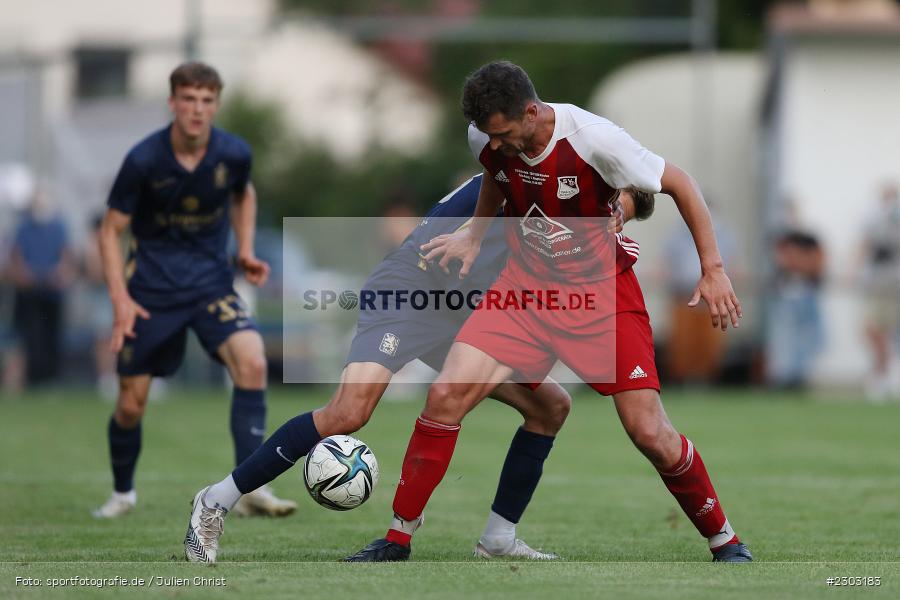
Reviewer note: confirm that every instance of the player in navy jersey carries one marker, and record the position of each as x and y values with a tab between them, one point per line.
372	362
178	192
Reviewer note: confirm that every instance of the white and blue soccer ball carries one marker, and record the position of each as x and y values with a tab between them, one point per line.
340	472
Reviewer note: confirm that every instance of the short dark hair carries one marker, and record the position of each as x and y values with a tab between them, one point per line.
644	203
195	74
497	87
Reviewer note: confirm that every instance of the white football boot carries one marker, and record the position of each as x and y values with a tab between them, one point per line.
118	504
262	501
518	549
201	542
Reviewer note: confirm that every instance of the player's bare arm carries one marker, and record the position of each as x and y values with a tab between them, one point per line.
714	286
126	310
465	244
243	220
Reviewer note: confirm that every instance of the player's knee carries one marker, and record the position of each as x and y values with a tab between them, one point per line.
439	394
131	402
647	436
444	403
251	372
557	410
129	408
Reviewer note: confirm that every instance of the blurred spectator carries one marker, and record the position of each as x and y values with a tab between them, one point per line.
41	270
881	286
101	315
796	332
695	348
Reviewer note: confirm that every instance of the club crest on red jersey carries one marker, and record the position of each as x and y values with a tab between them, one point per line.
537	222
568	187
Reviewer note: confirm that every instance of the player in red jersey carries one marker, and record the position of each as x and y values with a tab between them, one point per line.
558	166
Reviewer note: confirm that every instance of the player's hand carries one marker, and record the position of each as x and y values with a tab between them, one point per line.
617	220
256	271
126	312
715	289
461	246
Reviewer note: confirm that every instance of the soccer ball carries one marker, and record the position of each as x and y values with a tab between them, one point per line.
340	472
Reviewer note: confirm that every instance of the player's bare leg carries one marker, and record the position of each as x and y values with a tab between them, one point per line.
361	387
125	444
468	376
244	356
878	386
544	411
681	469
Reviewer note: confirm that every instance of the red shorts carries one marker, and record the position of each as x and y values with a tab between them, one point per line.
610	347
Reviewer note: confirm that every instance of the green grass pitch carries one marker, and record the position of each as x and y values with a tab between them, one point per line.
812	486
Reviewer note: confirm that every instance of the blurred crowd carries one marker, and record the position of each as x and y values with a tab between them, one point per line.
55	317
42	270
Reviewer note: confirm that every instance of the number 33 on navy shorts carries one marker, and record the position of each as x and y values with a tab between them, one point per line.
159	343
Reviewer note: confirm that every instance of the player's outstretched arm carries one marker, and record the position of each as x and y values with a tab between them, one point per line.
714	286
465	244
243	220
126	310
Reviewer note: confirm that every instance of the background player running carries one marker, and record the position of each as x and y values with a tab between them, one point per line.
557	161
176	192
423	334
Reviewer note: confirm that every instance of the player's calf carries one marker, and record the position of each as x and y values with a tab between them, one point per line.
124	439
132	400
346	416
544	410
352	404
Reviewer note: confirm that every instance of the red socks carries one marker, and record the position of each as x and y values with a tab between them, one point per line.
689	483
427	458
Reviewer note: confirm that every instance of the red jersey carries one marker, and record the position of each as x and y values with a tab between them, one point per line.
560	200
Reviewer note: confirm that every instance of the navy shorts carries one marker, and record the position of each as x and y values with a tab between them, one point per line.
395	336
159	343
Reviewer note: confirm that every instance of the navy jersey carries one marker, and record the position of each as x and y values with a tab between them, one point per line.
450	214
179	218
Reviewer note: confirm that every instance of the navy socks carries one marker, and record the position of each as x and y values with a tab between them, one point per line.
124	448
291	442
248	421
521	473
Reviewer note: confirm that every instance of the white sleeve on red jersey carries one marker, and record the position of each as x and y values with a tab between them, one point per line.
477	141
613	153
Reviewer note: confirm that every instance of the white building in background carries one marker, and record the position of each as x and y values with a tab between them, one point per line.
80	82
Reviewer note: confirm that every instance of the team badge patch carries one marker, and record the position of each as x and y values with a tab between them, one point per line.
190	203
568	187
389	344
536	222
220	175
